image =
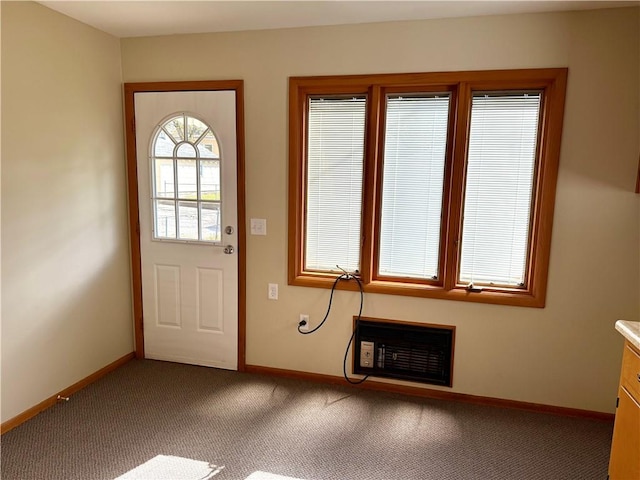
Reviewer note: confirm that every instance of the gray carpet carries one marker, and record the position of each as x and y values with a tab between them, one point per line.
243	423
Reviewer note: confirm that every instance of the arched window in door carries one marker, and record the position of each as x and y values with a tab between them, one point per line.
185	177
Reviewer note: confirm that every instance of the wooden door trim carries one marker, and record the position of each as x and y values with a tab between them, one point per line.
130	89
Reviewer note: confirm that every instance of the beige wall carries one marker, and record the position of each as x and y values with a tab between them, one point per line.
66	303
65	271
566	354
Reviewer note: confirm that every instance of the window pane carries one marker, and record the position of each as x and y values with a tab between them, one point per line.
165	219
186	171
187	183
163	182
210	222
188	218
209	180
499	186
208	146
195	129
164	145
186	150
335	156
175	128
413	180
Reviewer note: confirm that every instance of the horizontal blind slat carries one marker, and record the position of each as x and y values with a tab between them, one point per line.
499	185
335	156
412	188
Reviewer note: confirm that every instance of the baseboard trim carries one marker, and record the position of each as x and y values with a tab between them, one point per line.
49	402
430	393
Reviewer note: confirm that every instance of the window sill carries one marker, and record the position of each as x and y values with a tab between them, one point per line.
512	297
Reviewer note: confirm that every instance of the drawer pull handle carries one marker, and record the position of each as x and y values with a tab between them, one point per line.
639	377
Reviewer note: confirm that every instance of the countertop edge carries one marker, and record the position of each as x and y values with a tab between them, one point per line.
630	331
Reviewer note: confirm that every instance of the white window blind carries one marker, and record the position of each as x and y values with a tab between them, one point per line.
412	189
500	174
335	158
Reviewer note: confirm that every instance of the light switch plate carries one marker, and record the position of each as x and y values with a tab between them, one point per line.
258	226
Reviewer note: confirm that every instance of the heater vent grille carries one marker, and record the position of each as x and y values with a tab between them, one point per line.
407	351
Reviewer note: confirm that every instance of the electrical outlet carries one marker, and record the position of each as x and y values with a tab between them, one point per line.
305	327
273	291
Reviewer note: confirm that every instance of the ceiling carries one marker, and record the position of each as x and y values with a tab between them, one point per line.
148	18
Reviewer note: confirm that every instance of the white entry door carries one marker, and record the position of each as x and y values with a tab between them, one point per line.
187	192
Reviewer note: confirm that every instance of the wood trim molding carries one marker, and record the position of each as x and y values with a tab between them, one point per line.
241	228
432	78
134	223
638	177
49	402
431	393
130	89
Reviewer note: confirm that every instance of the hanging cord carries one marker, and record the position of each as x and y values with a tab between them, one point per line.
353	334
343	276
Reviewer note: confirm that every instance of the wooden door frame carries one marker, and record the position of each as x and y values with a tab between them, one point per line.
130	89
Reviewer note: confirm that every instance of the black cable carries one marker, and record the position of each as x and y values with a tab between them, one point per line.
344	276
353	334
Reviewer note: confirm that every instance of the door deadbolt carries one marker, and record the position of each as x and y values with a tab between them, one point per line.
228	230
228	249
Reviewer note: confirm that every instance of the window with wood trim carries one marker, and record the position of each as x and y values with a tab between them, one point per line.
437	184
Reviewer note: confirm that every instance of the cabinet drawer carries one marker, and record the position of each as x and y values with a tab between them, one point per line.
630	376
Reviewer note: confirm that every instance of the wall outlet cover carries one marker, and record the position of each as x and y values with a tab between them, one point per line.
305	327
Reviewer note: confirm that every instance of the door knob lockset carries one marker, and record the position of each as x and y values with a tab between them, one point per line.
228	249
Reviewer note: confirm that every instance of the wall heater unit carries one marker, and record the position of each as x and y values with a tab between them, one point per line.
406	351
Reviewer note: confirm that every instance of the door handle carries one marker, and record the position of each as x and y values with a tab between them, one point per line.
228	249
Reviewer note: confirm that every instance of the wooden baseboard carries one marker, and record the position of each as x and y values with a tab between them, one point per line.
49	402
430	393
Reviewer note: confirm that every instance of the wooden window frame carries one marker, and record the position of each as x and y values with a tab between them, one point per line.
461	85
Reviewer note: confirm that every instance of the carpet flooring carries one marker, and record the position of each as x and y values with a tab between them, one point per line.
244	423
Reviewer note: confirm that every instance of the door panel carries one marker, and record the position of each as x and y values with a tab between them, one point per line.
167	295
210	289
187	192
